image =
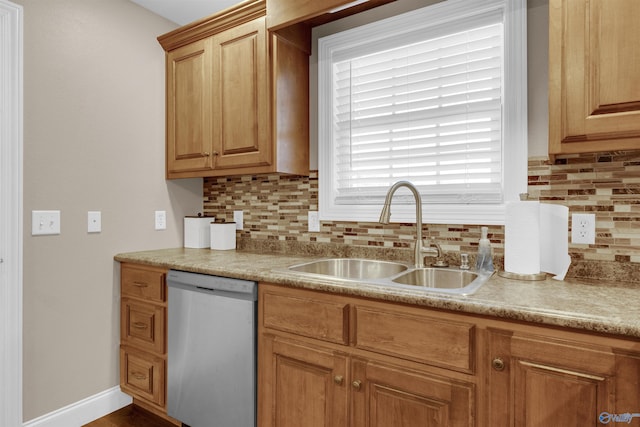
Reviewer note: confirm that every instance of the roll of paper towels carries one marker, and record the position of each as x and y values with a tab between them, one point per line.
522	237
536	238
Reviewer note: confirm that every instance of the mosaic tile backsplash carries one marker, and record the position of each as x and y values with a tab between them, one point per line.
606	184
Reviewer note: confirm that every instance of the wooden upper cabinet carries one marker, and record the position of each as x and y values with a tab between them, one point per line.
594	76
224	93
240	112
189	107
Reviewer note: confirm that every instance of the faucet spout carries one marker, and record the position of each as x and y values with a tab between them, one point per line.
385	217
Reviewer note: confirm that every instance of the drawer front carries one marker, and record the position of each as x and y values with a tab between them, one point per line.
310	317
140	282
143	325
414	336
142	375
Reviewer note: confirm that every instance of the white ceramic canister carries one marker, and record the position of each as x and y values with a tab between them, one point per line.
223	235
197	232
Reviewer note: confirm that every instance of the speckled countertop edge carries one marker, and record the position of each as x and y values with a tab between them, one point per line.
610	308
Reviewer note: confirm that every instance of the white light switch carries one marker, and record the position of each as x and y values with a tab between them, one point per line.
161	220
45	223
94	222
314	222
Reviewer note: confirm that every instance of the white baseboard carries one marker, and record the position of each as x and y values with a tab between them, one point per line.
83	412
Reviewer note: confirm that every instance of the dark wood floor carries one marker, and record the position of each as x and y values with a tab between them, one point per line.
130	416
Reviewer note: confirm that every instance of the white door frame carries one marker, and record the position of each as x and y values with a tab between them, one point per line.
11	223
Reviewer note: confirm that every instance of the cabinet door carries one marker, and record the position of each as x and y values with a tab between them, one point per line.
142	325
594	58
301	385
240	130
142	375
539	381
189	108
143	282
386	396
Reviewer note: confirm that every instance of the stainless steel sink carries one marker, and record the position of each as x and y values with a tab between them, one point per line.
437	278
351	268
394	275
446	280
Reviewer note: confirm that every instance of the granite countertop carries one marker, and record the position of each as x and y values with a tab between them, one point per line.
598	306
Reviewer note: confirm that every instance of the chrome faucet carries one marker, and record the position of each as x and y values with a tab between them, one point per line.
385	216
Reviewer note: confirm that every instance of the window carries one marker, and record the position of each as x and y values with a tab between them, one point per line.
435	96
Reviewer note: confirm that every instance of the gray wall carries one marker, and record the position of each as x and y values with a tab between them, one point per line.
93	140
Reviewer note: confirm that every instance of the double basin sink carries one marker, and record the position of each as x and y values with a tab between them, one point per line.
395	274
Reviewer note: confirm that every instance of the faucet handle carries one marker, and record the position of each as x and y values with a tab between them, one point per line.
440	261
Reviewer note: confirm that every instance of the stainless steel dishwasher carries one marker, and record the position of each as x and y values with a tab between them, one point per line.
211	355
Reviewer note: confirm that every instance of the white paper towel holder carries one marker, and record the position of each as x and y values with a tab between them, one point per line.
518	276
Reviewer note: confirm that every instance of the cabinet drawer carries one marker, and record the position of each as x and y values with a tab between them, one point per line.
147	283
142	325
142	375
310	317
414	336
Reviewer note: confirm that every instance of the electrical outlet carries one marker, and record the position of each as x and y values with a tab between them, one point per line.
314	222
238	218
583	229
161	220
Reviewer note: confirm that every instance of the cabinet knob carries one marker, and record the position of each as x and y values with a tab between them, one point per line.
338	379
357	384
497	364
215	153
206	154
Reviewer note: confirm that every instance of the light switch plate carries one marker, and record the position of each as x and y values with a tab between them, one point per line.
238	218
314	222
45	223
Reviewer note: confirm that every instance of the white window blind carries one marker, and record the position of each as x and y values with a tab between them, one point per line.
419	98
429	112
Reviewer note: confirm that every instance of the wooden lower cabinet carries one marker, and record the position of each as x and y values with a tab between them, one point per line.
143	336
303	385
142	374
333	360
316	370
312	386
542	380
387	395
